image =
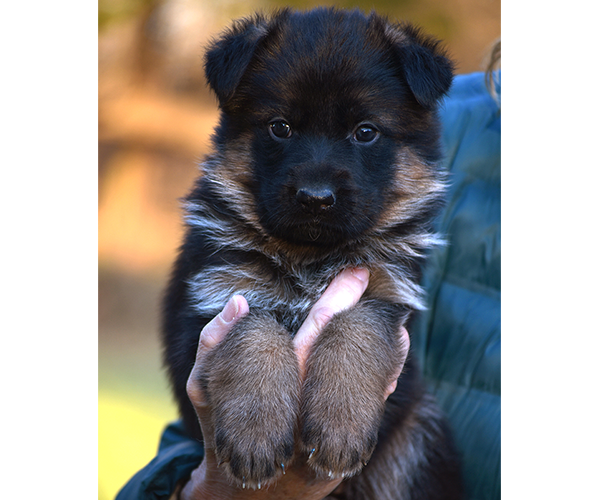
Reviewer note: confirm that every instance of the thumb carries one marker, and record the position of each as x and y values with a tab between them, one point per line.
219	326
344	291
213	333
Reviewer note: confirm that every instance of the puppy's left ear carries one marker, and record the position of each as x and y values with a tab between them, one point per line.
427	69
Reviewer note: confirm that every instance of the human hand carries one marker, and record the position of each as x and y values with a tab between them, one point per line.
299	481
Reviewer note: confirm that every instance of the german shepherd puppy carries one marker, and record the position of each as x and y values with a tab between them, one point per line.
326	157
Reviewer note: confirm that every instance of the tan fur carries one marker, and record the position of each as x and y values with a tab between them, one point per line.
415	185
231	176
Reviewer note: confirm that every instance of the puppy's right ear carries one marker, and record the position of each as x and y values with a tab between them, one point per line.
427	69
229	55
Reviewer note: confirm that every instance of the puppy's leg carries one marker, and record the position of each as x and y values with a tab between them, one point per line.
348	371
252	384
415	458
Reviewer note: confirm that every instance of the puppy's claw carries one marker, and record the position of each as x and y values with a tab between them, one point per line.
312	453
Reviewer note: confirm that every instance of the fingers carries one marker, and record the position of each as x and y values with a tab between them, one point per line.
213	333
217	328
343	292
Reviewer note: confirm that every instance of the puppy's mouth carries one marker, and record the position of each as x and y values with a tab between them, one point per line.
314	230
322	230
314	233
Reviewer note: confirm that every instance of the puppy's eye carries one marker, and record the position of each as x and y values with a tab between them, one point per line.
366	133
280	129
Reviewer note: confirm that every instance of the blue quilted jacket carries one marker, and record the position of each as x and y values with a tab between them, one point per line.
457	340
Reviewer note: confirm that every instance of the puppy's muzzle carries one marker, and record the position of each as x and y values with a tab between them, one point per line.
315	200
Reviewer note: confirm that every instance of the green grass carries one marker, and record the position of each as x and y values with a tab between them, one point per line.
128	434
134	407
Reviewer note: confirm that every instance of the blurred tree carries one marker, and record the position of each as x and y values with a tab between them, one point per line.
111	11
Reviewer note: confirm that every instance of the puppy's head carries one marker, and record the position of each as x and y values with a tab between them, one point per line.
328	128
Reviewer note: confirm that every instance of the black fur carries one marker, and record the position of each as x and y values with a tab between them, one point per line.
275	218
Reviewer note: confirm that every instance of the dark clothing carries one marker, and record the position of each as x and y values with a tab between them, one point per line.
457	340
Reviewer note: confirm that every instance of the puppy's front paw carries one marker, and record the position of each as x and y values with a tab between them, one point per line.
252	385
254	453
347	375
338	438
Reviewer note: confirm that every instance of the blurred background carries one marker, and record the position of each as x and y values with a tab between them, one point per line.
155	120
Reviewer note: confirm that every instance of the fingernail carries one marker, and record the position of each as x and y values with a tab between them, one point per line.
361	273
230	310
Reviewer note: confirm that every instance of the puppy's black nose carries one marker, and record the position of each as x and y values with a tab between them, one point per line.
315	200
